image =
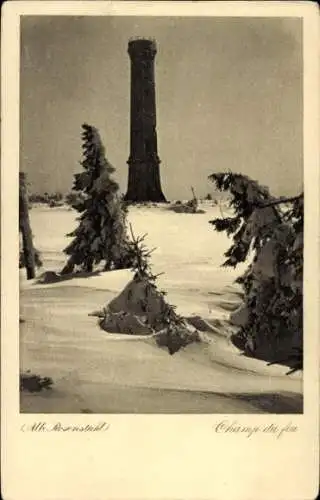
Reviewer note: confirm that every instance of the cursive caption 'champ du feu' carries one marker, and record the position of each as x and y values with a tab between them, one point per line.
235	428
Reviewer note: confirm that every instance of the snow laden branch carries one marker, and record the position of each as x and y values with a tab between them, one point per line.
268	235
281	201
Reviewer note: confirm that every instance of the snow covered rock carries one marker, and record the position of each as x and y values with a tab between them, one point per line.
140	309
189	207
178	337
123	322
142	299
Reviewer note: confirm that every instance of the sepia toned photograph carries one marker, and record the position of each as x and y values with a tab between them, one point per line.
161	215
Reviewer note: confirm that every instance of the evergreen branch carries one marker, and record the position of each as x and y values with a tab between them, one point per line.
280	201
157	276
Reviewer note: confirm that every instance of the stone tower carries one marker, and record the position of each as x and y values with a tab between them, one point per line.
144	163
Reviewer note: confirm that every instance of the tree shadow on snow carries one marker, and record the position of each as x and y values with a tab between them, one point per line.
148	400
277	403
285	356
285	403
53	277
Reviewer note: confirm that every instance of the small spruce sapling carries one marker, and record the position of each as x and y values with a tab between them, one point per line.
175	335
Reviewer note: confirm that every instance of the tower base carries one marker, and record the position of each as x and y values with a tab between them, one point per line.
144	182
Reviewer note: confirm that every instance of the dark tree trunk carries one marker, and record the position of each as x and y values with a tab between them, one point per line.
24	226
68	268
89	265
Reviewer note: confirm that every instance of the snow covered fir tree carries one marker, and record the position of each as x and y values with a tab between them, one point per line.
101	236
268	234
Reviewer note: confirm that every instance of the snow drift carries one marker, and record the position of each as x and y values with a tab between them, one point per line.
97	372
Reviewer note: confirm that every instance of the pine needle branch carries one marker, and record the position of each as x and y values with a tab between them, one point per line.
280	201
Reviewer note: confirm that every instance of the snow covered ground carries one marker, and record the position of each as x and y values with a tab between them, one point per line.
97	372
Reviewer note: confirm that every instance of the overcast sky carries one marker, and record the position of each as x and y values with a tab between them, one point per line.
229	96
